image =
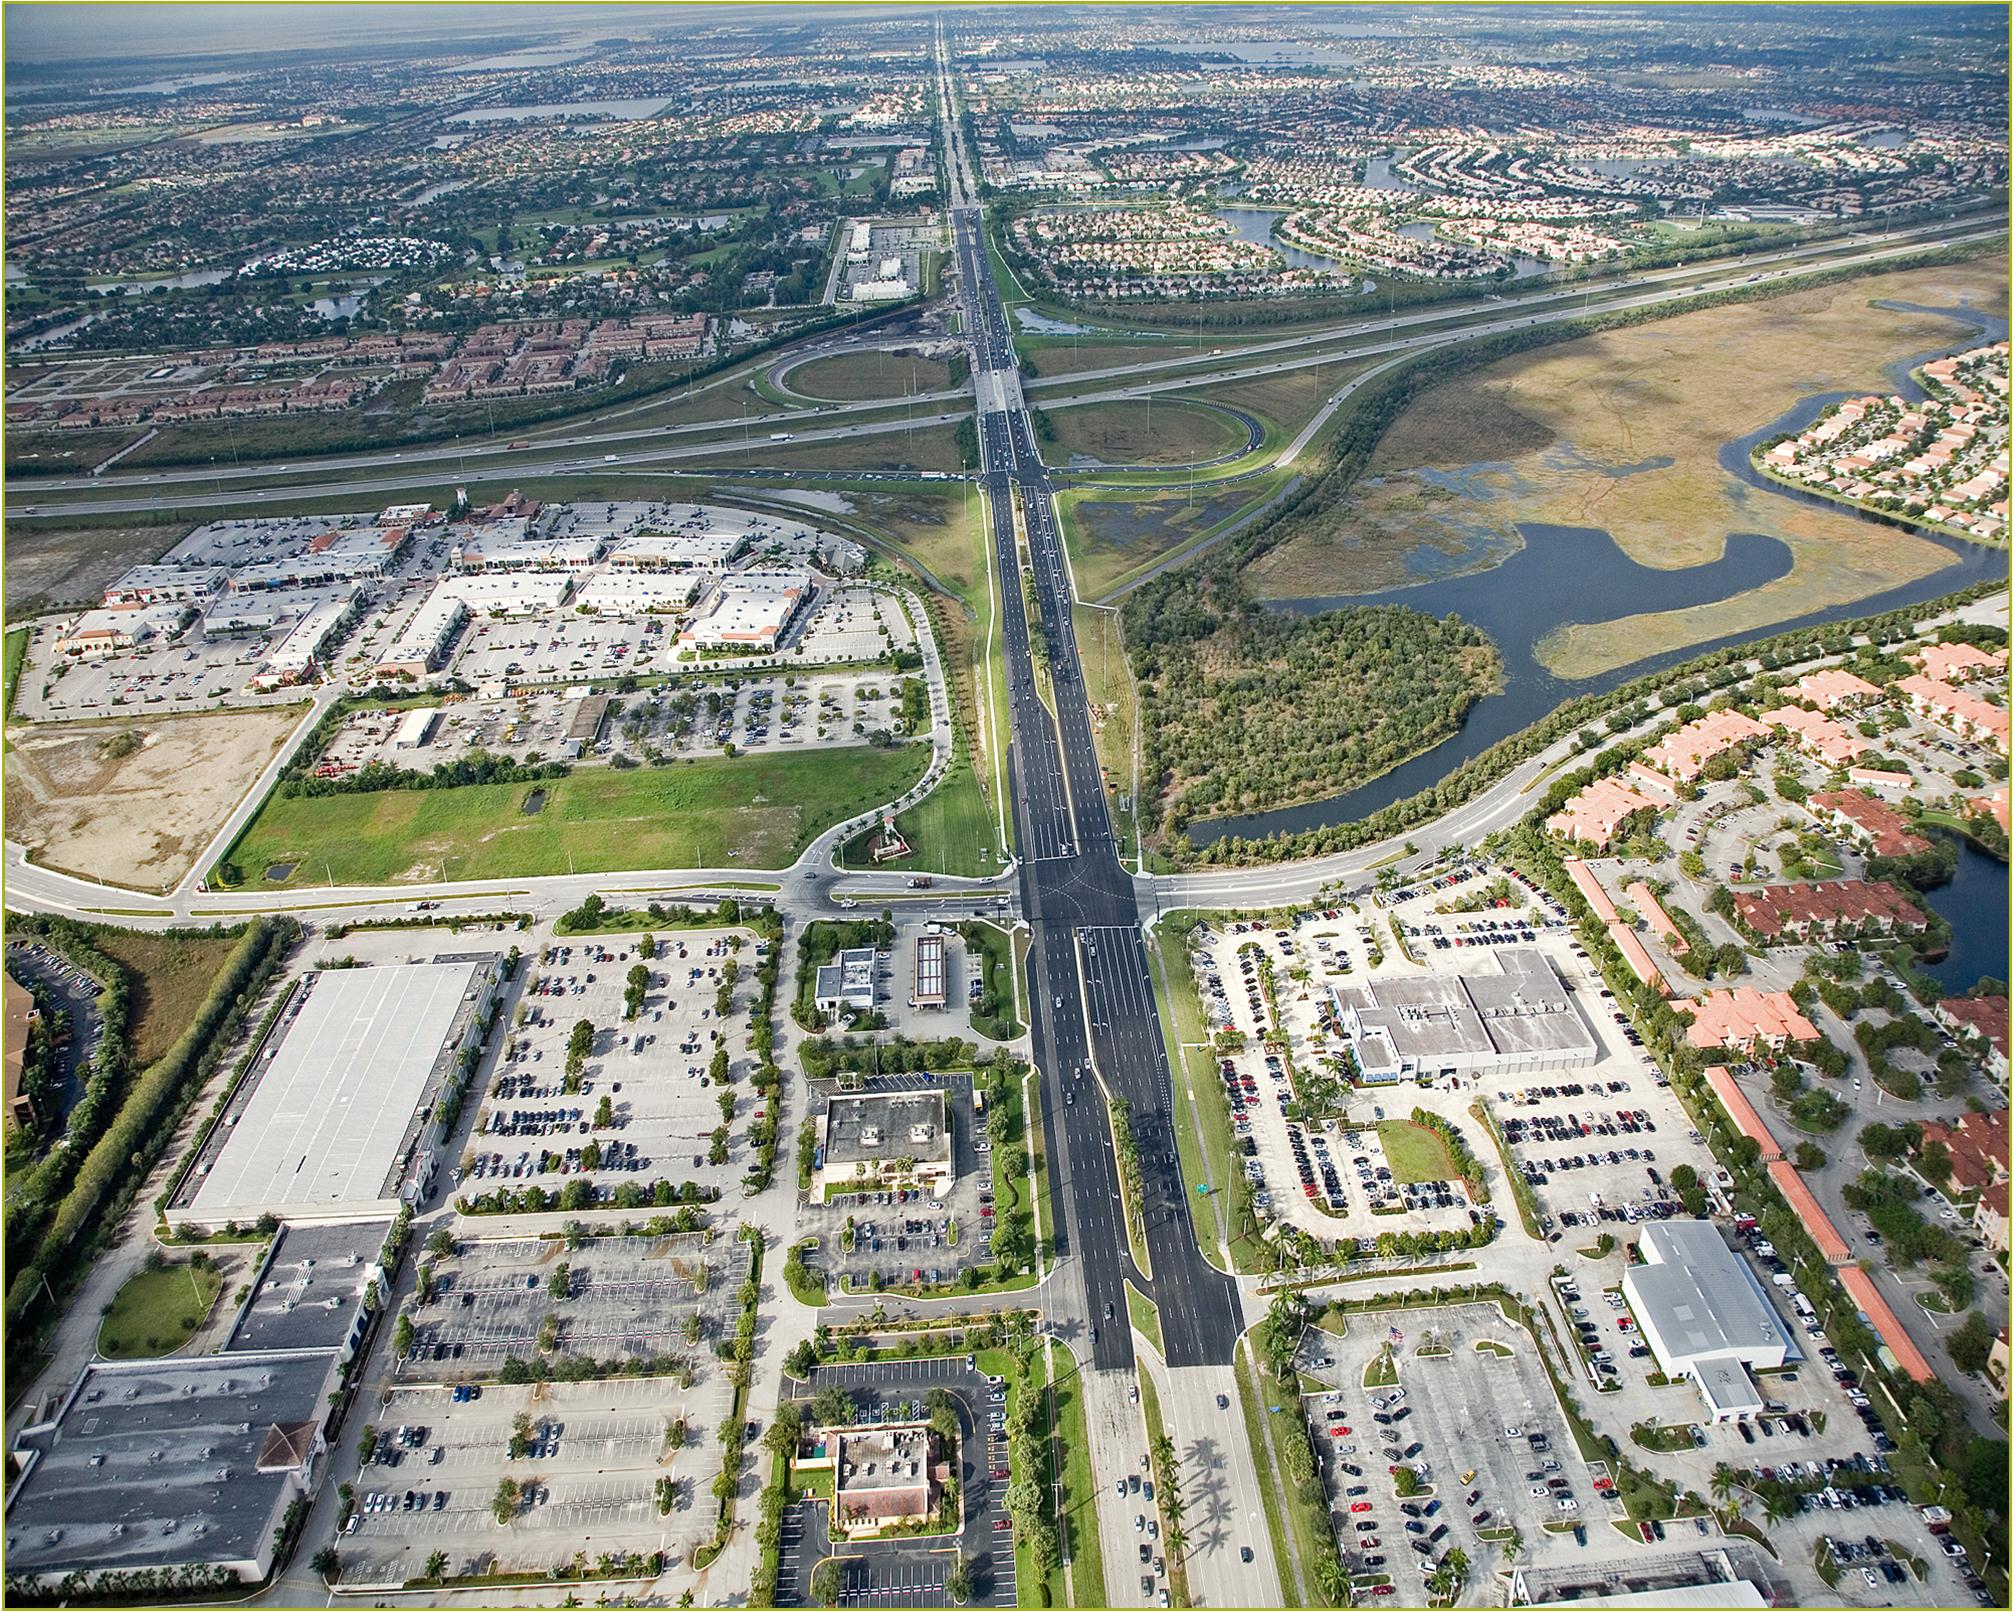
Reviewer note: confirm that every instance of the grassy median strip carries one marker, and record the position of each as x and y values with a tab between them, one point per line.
1150	1409
1269	1478
1080	1491
1146	1318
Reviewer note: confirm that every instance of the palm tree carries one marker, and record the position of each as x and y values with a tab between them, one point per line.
1778	1506
437	1566
958	1582
1723	1483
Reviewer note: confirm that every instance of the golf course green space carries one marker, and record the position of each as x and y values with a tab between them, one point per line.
758	811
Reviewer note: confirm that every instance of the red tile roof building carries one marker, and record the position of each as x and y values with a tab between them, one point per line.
1818	736
1684	754
1599	812
1984	1016
1957	663
1977	1144
1873	821
1832	688
1738	1018
1802	910
1957	709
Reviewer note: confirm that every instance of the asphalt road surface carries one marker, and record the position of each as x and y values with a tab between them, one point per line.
1094	1013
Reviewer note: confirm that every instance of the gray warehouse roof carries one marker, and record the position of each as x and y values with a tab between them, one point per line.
308	1296
156	1465
874	1128
1518	1006
323	1131
1697	1299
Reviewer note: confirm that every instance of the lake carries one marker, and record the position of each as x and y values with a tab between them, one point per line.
1564	574
1256	224
1974	904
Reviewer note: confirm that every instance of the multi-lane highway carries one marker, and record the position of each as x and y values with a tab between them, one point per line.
1096	1031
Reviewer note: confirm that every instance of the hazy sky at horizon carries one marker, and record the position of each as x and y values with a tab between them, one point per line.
167	32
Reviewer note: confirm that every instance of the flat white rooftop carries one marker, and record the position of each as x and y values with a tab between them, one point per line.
325	1124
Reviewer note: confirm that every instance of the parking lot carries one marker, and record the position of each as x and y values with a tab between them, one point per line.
646	1104
898	1234
560	646
591	1457
605	1298
912	1572
73	992
186	673
1478	1425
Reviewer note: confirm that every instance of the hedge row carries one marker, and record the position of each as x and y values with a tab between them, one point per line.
112	1171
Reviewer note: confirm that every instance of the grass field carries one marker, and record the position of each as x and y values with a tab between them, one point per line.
851	377
1072	355
1288	398
1414	1152
154	1313
1080	1496
171	977
956	829
759	811
1142	431
1622	432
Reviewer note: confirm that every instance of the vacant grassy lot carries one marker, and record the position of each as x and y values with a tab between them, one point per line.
849	377
1142	431
1288	398
1108	684
1622	431
154	1313
1072	355
1414	1152
759	811
171	977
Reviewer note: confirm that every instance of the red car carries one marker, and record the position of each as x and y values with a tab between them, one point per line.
1360	1505
1368	1542
1001	1525
1344	1428
1381	1589
1623	1323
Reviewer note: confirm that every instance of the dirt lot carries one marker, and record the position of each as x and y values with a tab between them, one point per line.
47	566
1622	431
142	819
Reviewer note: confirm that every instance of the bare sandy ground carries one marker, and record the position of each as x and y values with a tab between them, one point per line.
142	819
